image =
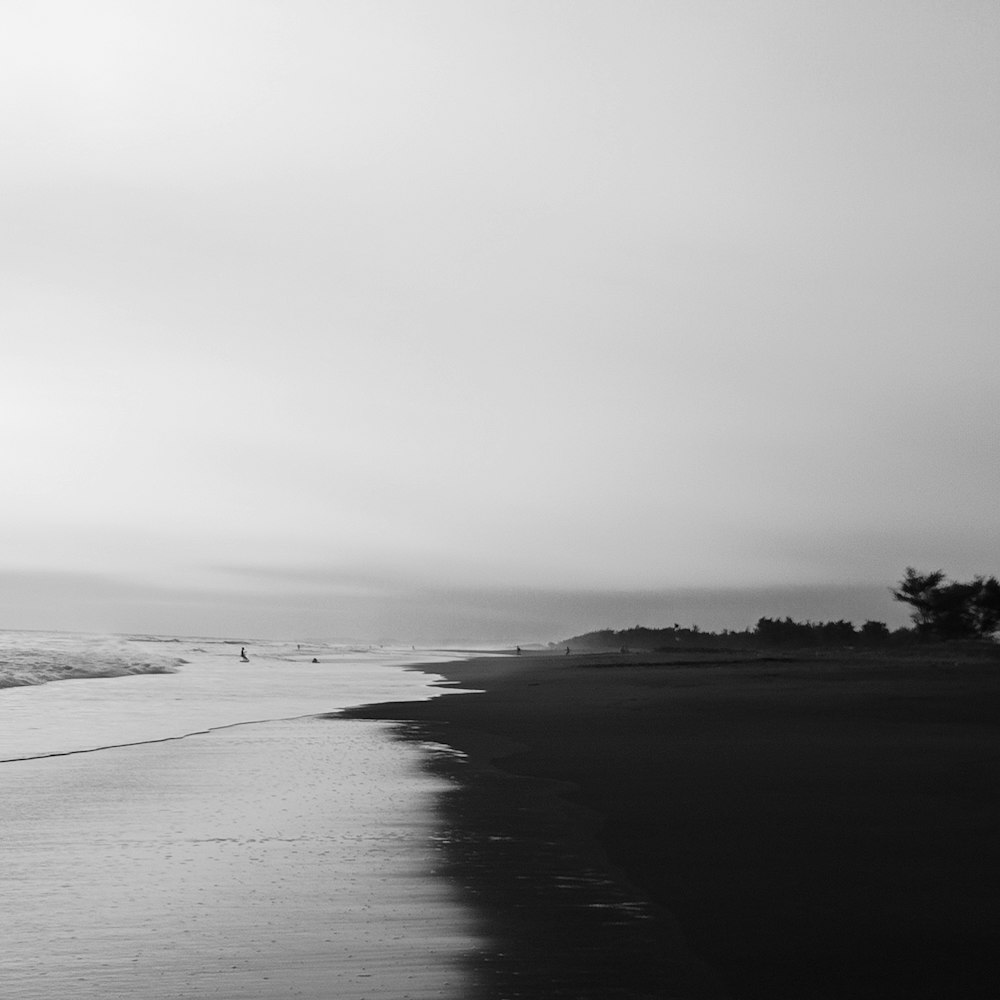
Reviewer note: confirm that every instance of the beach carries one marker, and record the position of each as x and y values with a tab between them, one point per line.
714	825
326	822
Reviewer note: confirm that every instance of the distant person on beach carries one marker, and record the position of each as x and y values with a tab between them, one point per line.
315	660
243	654
518	650
567	650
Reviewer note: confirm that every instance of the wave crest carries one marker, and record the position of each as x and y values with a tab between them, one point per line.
27	658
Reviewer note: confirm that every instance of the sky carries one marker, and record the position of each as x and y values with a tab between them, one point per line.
494	320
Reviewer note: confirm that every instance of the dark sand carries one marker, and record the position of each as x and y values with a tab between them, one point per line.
638	826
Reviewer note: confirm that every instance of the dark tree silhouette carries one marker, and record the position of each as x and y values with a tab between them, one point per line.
950	609
875	633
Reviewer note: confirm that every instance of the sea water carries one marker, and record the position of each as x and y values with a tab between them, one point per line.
176	822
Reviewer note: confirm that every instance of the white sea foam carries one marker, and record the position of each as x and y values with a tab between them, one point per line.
40	657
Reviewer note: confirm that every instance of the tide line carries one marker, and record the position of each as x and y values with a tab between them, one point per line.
165	739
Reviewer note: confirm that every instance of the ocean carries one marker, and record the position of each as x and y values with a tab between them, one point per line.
176	822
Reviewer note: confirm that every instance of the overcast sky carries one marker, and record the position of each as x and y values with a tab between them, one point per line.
423	318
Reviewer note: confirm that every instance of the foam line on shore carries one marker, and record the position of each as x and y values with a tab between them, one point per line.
161	739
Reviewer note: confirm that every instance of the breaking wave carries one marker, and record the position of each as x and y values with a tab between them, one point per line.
39	658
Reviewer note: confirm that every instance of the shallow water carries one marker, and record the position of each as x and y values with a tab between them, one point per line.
211	687
292	857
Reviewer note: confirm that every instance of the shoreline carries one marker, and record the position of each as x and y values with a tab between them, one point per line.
208	833
634	825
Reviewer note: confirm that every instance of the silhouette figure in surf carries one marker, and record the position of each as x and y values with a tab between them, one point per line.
243	654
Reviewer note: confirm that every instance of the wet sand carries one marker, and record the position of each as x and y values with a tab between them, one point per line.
642	826
280	859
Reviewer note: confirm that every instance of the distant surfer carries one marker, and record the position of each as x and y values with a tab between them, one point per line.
243	654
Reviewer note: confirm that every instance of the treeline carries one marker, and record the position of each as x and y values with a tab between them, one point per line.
943	610
785	632
767	632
